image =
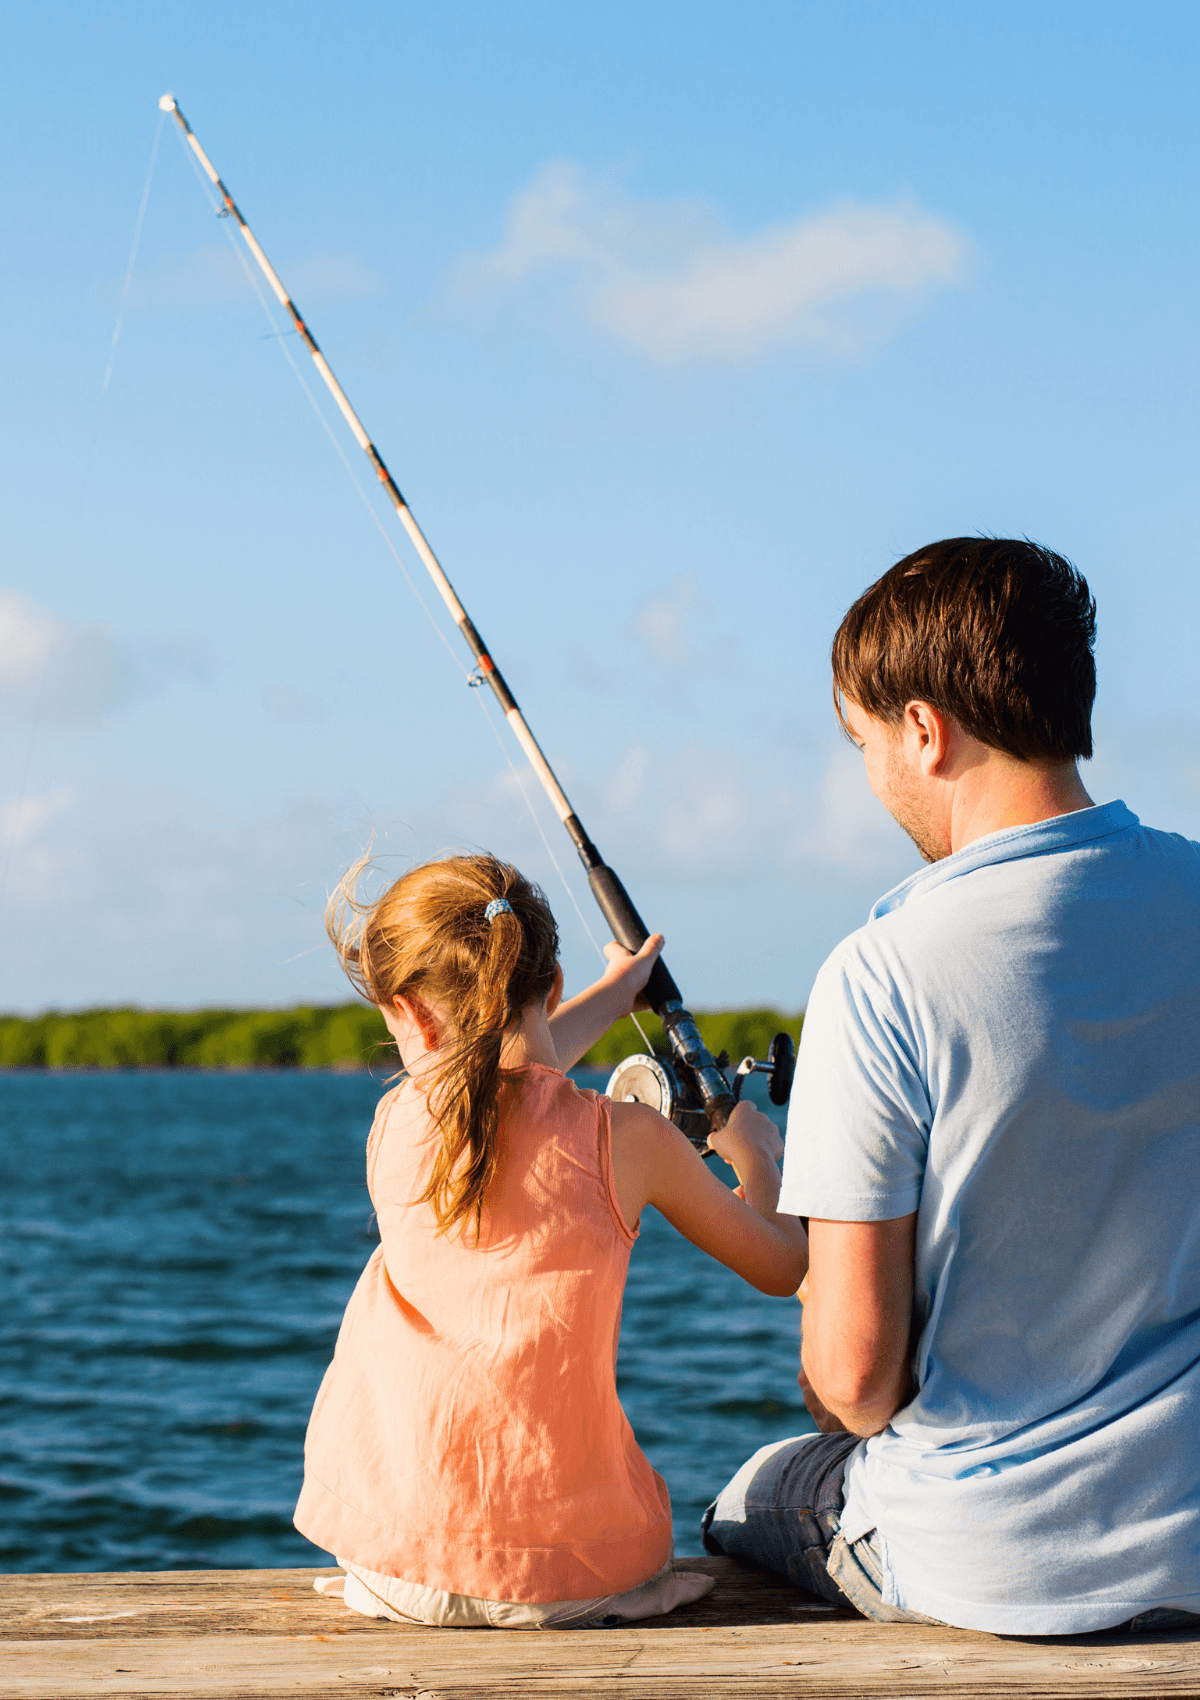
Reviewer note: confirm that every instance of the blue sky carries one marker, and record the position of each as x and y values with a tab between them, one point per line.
677	325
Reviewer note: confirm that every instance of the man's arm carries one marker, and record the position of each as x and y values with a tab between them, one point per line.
858	1319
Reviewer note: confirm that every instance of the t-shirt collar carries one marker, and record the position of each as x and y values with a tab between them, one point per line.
1061	832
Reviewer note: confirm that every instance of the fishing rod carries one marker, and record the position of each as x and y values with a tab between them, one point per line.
692	1087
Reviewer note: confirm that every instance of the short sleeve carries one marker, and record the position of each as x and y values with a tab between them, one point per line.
858	1127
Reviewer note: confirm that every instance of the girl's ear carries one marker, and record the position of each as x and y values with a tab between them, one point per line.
554	998
420	1014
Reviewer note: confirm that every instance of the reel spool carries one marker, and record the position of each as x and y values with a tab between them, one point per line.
654	1081
651	1080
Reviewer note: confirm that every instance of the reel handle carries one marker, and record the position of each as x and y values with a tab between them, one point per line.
780	1065
782	1059
630	930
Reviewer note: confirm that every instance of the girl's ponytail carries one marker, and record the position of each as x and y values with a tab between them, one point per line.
430	937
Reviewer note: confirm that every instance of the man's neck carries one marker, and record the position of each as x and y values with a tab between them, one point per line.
997	792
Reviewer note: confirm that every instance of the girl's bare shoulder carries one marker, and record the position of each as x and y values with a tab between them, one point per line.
641	1134
635	1119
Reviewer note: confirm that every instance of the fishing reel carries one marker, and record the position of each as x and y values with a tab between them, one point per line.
670	1085
688	1085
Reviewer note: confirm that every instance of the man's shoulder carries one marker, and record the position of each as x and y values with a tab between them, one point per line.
871	970
946	925
1174	847
1021	874
878	950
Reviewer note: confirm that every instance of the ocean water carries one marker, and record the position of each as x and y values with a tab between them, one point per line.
177	1249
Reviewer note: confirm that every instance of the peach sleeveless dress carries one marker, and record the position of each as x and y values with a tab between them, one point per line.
467	1437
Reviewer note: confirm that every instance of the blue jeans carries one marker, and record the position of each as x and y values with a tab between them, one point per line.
783	1510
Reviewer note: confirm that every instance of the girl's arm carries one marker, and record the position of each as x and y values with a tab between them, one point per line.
654	1164
575	1026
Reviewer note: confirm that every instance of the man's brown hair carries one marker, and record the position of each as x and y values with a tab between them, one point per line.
996	632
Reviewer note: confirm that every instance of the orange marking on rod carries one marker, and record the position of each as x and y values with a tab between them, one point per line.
487	664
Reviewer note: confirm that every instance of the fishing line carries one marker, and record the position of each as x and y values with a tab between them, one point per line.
222	213
507	754
707	1092
137	236
84	480
280	337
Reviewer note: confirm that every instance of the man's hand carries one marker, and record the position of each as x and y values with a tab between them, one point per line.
825	1420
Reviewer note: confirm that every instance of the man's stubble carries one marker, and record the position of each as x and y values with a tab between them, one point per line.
907	807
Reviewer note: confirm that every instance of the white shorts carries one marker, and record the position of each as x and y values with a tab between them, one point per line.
398	1601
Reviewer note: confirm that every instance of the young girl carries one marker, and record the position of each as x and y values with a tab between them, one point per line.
467	1457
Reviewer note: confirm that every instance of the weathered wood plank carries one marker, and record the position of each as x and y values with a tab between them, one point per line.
897	1662
106	1604
243	1635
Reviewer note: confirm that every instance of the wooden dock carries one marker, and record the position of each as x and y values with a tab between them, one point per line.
242	1634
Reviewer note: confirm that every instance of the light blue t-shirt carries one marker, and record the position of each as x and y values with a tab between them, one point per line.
1011	1047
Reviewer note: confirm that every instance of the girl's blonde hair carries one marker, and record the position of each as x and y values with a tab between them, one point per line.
428	938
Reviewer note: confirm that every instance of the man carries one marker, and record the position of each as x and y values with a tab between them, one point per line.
995	1134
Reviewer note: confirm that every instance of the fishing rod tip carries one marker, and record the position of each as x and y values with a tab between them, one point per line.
166	103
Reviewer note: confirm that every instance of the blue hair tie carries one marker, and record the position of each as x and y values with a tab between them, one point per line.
498	906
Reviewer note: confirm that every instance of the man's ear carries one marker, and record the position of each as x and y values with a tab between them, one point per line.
554	997
926	733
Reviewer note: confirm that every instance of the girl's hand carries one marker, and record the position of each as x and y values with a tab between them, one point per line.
750	1143
577	1024
626	974
747	1135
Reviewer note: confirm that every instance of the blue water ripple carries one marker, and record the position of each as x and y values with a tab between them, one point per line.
176	1251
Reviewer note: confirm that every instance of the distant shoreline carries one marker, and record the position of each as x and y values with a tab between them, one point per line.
344	1038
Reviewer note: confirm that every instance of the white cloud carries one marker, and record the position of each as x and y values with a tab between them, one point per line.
850	828
659	624
668	282
151	896
147	896
715	813
60	672
699	813
754	858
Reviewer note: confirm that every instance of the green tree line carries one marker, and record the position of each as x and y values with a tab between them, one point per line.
346	1036
741	1032
350	1035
